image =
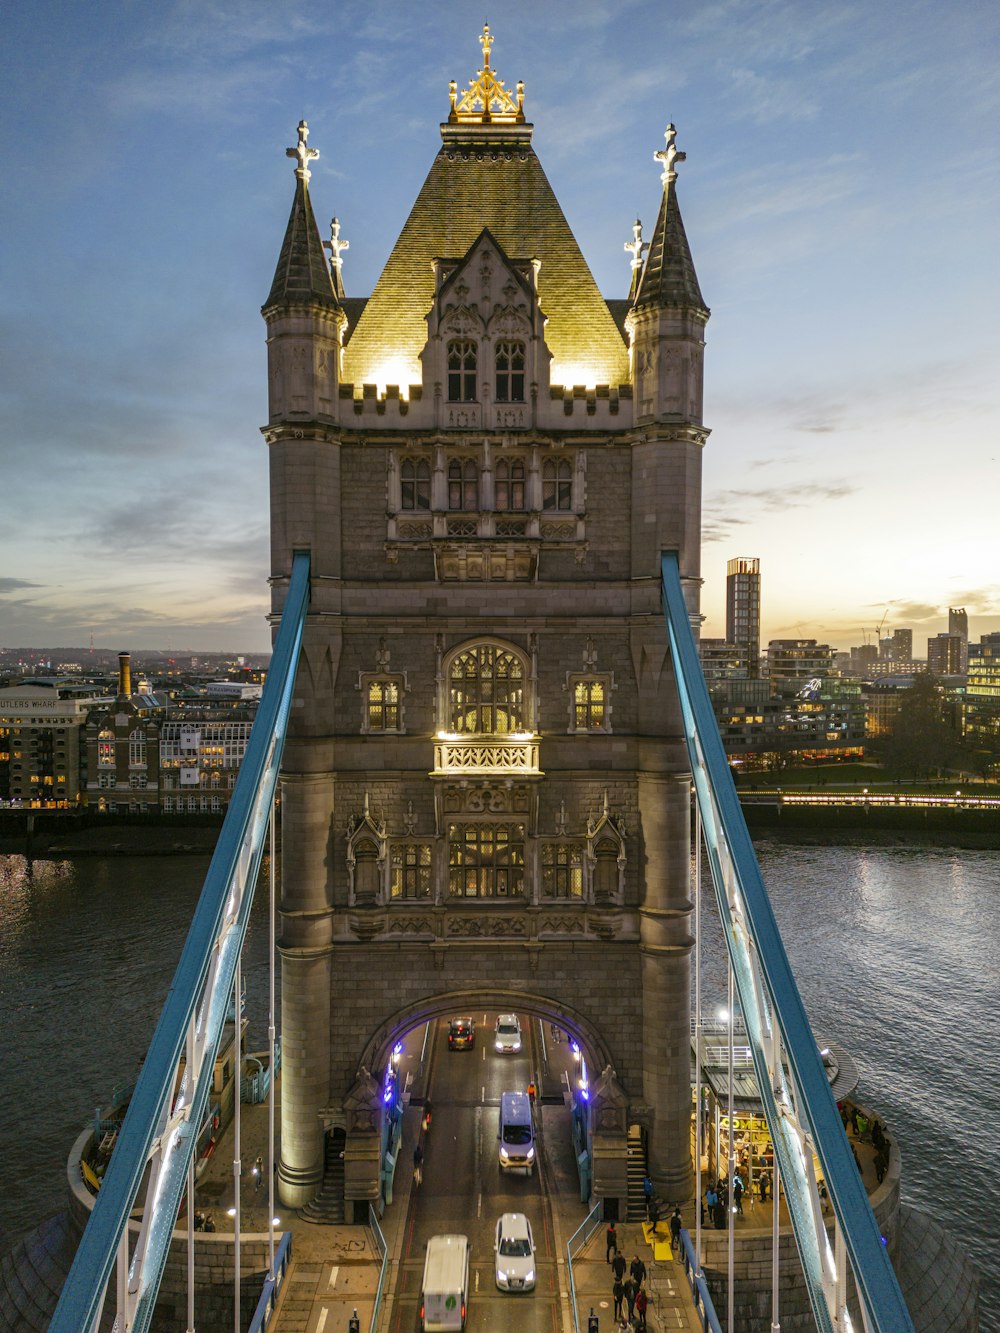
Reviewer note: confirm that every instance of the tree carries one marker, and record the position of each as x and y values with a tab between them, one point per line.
923	740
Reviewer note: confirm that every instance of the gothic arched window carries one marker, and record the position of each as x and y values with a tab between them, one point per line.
557	484
462	371
463	484
510	372
508	483
486	860
415	484
486	692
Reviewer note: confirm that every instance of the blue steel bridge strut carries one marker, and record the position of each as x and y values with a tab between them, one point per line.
801	1114
164	1116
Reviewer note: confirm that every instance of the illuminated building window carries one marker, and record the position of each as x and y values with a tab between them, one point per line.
509	483
562	870
510	372
415	482
486	691
463	484
461	372
557	484
590	703
382	697
486	860
106	749
410	871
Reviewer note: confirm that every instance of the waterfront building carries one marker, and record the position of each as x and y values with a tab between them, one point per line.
484	789
43	755
798	659
981	709
743	609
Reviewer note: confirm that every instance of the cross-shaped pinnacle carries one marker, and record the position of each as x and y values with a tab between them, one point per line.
336	246
669	155
636	245
303	152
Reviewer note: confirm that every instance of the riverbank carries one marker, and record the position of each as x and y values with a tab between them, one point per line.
873	826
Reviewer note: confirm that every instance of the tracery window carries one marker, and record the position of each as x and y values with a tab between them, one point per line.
510	372
486	692
508	484
410	870
463	484
415	484
562	870
461	371
557	484
590	703
382	696
486	860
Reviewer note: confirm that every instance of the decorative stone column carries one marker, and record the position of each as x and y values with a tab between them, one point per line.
665	947
305	949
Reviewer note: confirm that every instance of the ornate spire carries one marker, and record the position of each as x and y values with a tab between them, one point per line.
636	246
486	101
668	156
336	247
303	153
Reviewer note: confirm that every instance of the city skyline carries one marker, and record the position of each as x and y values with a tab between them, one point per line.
841	232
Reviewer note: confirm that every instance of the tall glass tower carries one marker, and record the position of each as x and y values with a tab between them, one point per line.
743	609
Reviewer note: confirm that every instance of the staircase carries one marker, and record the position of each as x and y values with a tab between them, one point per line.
327	1209
635	1210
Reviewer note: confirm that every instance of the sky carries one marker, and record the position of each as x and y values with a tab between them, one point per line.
840	196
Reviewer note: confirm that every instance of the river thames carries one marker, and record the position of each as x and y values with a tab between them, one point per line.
896	952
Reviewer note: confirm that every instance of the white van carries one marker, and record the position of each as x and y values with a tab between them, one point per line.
517	1133
445	1287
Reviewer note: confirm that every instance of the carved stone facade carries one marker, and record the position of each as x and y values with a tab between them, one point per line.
485	790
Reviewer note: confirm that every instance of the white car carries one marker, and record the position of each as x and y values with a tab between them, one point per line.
515	1253
508	1034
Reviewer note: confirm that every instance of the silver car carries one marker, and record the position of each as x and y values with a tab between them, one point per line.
508	1034
515	1253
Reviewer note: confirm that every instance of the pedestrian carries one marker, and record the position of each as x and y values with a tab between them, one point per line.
418	1165
532	1093
675	1228
209	1222
641	1301
762	1186
618	1292
258	1173
738	1193
630	1297
611	1236
711	1199
637	1270
618	1266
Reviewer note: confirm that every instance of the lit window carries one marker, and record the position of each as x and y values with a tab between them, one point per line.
486	861
557	484
509	483
510	372
590	698
382	696
461	372
562	870
106	749
463	484
411	870
415	480
486	688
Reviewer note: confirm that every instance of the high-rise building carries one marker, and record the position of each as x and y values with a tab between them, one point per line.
958	623
944	655
981	709
798	659
902	645
743	609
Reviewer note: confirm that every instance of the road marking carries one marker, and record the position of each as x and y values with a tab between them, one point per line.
477	1279
483	1097
333	1276
484	1058
479	1207
321	1321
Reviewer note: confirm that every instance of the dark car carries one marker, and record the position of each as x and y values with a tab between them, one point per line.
461	1034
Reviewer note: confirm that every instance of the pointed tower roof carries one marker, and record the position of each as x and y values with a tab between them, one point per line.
486	174
302	276
668	276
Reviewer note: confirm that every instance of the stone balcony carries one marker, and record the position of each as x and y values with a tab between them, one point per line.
513	756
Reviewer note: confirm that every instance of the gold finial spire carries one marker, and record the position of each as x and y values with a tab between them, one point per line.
668	156
303	152
486	101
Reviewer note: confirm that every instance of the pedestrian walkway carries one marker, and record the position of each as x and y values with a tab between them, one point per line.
671	1305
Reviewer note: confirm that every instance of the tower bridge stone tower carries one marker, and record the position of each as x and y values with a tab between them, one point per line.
485	792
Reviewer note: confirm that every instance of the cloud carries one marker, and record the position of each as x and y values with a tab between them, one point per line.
15	585
789	496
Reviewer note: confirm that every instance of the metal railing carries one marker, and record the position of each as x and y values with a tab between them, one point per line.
381	1245
584	1232
699	1287
272	1286
159	1133
801	1113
